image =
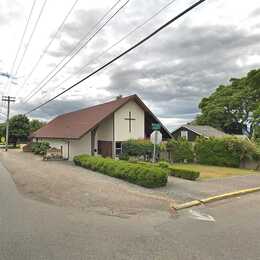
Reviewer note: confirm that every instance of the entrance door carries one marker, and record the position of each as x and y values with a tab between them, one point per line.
105	148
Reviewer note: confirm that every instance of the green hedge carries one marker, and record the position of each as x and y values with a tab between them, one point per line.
141	147
180	173
143	175
227	151
176	172
181	150
184	174
40	147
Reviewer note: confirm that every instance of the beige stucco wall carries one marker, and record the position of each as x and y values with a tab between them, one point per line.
122	126
76	147
105	130
57	143
81	146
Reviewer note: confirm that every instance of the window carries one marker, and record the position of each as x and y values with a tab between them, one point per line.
118	148
184	134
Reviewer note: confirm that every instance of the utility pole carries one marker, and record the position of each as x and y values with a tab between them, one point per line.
8	99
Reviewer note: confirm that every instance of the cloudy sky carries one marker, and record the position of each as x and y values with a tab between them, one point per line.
171	72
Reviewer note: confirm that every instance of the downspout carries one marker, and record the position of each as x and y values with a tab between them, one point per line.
68	149
113	136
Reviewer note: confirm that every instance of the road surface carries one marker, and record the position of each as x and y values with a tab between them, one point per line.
34	230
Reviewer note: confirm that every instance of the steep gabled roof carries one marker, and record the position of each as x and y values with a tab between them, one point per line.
75	124
203	130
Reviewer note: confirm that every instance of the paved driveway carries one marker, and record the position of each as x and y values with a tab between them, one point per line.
31	230
183	190
67	185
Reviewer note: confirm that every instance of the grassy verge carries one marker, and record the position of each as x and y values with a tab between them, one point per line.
213	172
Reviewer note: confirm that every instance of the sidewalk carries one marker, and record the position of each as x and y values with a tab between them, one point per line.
183	191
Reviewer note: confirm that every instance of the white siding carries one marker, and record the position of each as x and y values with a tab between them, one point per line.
76	147
105	130
81	146
57	143
122	126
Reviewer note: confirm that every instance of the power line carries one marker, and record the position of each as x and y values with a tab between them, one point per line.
122	54
23	35
31	36
19	47
119	41
60	28
77	49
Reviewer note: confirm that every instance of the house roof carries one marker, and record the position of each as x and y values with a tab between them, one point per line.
75	124
203	130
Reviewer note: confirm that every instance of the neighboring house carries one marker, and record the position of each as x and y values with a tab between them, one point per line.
100	129
191	132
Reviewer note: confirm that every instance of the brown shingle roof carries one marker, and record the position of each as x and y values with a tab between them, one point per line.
74	125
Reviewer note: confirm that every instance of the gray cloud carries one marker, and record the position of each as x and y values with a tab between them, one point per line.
207	56
9	10
255	13
182	64
55	108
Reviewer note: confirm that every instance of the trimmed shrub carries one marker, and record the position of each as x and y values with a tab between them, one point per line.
163	164
124	157
184	173
225	151
40	147
143	175
181	150
141	147
176	172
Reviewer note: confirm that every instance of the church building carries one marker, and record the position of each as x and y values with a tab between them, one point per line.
100	129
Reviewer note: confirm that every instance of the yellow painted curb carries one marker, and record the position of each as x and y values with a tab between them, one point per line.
186	205
229	195
214	198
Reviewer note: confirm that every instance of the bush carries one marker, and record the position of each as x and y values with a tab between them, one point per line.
164	165
225	151
124	157
143	175
181	150
176	172
184	174
40	147
138	148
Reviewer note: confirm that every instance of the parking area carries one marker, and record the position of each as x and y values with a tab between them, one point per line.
64	184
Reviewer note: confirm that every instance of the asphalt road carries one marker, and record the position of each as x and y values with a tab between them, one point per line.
32	230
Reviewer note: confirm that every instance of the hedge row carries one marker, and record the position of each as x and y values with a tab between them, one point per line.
184	174
176	172
181	150
227	151
143	175
180	173
140	147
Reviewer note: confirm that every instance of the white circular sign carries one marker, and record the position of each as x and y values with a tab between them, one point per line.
156	137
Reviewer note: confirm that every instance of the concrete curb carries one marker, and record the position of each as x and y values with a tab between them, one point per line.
214	198
186	205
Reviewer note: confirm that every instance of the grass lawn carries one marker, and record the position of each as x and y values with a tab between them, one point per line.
210	172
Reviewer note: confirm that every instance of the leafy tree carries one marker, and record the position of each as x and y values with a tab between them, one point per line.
19	128
233	107
2	130
35	125
256	122
181	150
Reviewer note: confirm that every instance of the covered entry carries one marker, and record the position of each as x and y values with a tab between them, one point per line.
105	148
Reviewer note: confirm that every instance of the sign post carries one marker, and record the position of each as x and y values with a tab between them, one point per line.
156	138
